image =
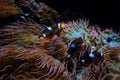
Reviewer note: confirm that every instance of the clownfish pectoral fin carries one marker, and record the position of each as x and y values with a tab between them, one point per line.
41	38
82	44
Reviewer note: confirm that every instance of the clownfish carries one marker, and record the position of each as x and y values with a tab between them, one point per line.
75	47
90	57
49	32
59	28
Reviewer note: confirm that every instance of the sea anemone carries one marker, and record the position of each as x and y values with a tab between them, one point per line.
105	41
23	56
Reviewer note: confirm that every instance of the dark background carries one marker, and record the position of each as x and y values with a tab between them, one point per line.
106	14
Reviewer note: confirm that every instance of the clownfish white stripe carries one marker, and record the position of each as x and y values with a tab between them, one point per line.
91	55
59	26
101	54
49	28
73	46
83	61
68	56
82	38
44	35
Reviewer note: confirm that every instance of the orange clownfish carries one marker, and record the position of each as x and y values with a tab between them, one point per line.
91	57
58	28
49	32
76	47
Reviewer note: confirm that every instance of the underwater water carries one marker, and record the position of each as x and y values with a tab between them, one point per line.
36	45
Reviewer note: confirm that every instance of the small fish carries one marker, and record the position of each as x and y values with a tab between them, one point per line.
61	26
21	17
91	57
49	32
58	28
42	37
76	46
